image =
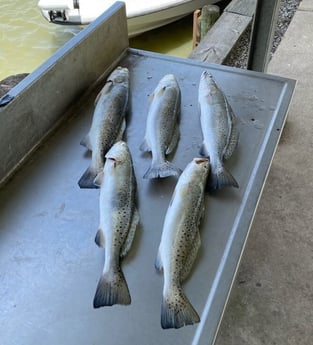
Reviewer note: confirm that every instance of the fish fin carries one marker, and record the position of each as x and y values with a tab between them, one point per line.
131	234
121	132
87	180
232	144
158	262
174	141
106	89
112	289
151	97
203	150
176	310
145	147
195	244
177	109
97	98
229	110
163	169
173	197
220	178
234	134
202	212
99	239
86	142
98	179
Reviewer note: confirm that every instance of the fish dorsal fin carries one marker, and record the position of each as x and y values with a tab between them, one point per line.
195	240
229	109
173	198
232	143
195	244
105	90
174	140
121	131
99	178
233	135
131	233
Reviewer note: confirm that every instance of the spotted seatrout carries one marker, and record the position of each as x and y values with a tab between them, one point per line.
118	221
108	123
180	242
220	136
162	132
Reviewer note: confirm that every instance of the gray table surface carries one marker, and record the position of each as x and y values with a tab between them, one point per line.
49	263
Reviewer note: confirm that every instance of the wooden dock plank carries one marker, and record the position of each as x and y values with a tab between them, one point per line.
222	37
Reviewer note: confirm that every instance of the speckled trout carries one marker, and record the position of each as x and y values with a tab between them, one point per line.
162	131
220	136
180	243
119	218
108	123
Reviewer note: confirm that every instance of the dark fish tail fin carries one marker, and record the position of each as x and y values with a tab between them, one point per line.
87	180
220	178
177	311
112	289
159	170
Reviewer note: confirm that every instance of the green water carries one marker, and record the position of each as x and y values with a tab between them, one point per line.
173	39
27	39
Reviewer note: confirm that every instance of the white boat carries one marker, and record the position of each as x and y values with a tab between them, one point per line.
142	15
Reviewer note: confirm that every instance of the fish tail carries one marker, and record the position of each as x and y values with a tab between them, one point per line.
220	178
87	180
112	289
163	169
177	311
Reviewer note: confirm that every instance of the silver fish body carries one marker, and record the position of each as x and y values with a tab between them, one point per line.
119	218
162	131
180	243
220	136
108	123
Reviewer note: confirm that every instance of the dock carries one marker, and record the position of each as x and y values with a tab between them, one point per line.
230	26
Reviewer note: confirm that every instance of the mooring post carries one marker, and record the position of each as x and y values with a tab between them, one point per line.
263	29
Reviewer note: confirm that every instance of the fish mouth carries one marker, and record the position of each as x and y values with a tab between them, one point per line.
201	160
119	75
206	74
114	160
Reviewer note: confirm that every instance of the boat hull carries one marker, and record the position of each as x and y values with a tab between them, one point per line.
141	15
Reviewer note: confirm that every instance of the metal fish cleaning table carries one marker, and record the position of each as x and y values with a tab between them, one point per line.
49	263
